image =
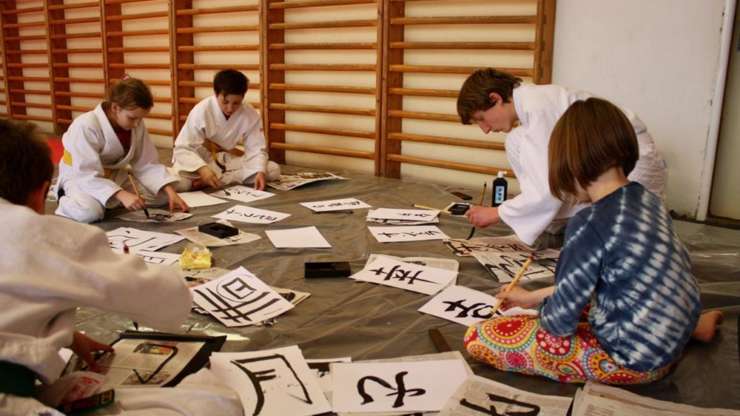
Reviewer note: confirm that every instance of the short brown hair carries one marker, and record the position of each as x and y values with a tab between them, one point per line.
475	91
230	82
25	161
130	93
591	137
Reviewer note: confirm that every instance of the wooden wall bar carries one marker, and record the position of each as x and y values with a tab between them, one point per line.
394	69
275	68
85	45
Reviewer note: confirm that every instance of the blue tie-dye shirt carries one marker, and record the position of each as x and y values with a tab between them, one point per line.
622	256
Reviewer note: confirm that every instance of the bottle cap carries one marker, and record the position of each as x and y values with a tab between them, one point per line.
501	174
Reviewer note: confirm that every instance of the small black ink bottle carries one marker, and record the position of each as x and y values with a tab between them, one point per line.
500	189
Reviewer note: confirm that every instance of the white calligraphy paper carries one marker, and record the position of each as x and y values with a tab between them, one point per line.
194	235
335	205
395	386
304	237
504	266
251	215
242	193
321	367
157	257
239	298
155	215
404	234
481	396
403	214
389	272
292	181
505	244
274	382
461	305
436	262
200	199
137	240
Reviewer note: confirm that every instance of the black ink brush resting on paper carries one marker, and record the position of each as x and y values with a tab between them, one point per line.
316	270
217	229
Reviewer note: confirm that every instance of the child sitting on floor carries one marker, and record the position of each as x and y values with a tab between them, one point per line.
49	267
622	265
206	152
99	148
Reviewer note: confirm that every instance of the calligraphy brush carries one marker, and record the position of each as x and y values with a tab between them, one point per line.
136	191
212	147
482	195
513	283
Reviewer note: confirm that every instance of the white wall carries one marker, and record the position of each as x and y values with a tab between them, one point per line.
659	58
726	185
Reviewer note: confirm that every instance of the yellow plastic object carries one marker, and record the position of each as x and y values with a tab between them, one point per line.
195	257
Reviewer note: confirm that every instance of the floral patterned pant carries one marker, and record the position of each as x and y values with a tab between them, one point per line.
519	344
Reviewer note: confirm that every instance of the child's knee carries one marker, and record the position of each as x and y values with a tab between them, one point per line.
272	171
81	208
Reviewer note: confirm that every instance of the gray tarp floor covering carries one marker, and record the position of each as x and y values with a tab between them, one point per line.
347	318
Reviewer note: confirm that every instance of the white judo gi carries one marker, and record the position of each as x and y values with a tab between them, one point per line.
94	167
50	266
206	121
538	108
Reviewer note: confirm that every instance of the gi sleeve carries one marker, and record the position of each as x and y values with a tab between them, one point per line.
189	145
255	153
530	212
145	165
84	146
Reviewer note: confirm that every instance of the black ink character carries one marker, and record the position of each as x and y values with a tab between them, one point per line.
228	312
491	411
509	264
480	310
401	275
235	290
400	391
288	379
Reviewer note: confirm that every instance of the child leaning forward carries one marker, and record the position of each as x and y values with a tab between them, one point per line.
625	302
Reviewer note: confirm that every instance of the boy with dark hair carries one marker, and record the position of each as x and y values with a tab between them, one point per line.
50	266
498	102
206	153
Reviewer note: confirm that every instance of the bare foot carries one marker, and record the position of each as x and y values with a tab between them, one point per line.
707	326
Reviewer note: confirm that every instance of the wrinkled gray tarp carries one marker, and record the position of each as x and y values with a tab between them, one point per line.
347	318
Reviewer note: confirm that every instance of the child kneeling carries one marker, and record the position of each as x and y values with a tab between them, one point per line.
206	152
624	303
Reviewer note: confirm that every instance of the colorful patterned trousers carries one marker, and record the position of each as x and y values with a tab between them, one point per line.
519	344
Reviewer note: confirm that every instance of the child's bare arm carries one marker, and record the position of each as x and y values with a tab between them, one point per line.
523	298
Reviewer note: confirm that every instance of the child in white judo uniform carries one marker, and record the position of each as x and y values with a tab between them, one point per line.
50	266
101	146
497	102
206	152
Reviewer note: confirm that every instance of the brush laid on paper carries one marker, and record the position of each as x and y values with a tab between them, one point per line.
482	195
513	283
136	191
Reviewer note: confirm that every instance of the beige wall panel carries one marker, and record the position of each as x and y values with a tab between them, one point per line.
322	14
329	162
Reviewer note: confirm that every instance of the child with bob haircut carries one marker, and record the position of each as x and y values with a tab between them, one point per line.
206	152
99	148
625	302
